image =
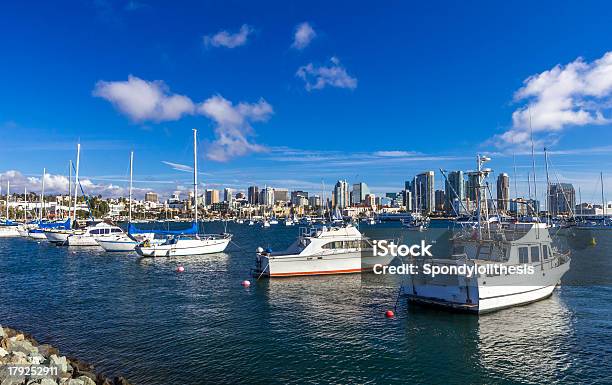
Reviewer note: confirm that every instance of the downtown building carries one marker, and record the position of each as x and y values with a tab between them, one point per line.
423	192
341	195
561	199
503	193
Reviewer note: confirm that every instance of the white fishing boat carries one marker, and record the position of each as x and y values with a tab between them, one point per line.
289	222
318	251
512	265
183	245
251	223
416	222
273	221
265	223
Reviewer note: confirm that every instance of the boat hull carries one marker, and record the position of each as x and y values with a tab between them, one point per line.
184	247
117	245
82	240
9	232
296	265
57	237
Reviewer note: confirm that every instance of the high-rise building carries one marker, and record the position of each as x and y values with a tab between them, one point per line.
297	195
227	195
267	196
341	194
212	196
151	197
314	201
253	195
424	193
472	187
561	198
440	200
370	200
454	190
503	192
360	191
281	195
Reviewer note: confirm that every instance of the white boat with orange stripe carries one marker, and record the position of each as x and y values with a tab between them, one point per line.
318	251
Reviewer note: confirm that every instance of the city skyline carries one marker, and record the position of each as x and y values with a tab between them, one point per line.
325	94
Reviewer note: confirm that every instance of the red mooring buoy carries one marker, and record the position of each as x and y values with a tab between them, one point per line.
180	269
389	314
246	283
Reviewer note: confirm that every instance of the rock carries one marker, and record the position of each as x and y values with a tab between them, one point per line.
86	380
47	381
2	332
3	352
26	347
74	381
107	381
18	358
46	350
17	337
82	373
36	358
60	362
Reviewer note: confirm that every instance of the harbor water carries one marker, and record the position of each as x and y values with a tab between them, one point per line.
141	318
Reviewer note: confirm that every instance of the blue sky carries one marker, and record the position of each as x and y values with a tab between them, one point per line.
294	95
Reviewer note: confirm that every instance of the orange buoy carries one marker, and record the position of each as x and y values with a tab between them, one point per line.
246	283
389	314
180	269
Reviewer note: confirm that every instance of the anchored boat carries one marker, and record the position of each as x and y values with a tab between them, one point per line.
320	250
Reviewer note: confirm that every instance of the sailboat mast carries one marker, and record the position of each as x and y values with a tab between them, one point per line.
25	204
195	174
76	181
547	186
535	185
69	186
8	191
42	195
603	199
130	193
478	162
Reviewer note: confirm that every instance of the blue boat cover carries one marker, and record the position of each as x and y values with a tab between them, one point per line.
192	230
55	225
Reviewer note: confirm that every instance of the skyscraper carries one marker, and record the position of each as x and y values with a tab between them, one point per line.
227	195
212	196
561	198
503	192
267	196
253	195
360	191
454	190
424	193
440	200
341	194
281	195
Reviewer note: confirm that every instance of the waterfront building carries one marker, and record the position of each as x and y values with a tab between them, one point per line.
454	190
212	196
440	198
298	196
281	195
503	192
561	198
253	195
370	200
314	201
360	191
424	193
227	195
341	195
522	206
151	197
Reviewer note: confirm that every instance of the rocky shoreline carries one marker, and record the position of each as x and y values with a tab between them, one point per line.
24	361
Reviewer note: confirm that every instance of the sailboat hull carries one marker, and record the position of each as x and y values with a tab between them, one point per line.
184	247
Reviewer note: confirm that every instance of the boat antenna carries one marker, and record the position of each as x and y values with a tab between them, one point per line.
535	188
547	187
603	199
130	192
195	176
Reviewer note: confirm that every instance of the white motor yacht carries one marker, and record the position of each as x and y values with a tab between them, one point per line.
320	250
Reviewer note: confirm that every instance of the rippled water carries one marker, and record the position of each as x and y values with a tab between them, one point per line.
140	318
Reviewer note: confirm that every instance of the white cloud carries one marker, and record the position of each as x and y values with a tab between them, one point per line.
394	153
575	94
56	184
178	166
233	126
228	39
143	100
304	34
334	75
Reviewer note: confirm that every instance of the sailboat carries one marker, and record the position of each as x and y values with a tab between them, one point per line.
8	228
122	241
184	244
